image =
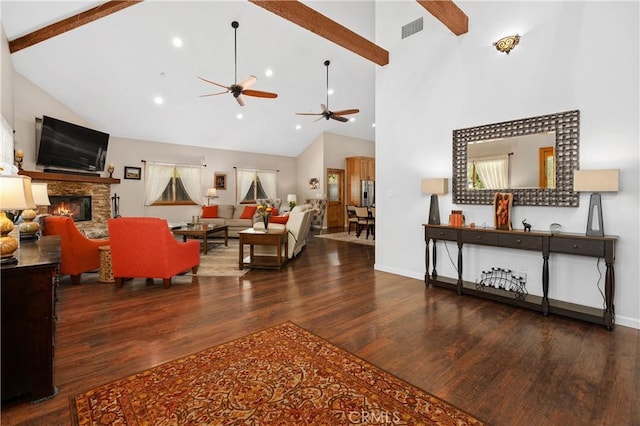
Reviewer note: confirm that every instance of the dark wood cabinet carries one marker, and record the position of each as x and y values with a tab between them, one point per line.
28	320
542	242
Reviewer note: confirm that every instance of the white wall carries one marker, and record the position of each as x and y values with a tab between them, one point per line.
6	80
572	55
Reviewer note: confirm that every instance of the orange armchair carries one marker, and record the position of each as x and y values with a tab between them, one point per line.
78	253
145	247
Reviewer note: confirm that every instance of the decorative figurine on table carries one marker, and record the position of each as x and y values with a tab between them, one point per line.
527	226
110	169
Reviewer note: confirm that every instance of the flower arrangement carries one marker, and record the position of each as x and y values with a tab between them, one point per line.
265	211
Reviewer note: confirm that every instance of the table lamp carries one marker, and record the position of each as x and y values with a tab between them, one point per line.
15	194
435	187
292	199
29	228
595	181
211	193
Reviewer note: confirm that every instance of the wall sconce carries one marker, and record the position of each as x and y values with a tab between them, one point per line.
292	199
435	187
211	193
15	195
506	44
595	181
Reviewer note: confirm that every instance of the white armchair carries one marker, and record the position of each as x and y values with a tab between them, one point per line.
297	226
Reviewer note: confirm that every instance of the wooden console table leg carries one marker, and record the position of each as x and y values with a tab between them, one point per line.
459	283
609	288
545	285
426	263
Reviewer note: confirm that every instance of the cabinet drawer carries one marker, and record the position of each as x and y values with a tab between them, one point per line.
577	246
479	237
443	234
519	241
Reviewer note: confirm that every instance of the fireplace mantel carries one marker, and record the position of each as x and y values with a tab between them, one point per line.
44	176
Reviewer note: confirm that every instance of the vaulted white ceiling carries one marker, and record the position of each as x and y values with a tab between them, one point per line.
110	70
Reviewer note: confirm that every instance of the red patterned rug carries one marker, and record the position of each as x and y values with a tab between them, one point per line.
283	375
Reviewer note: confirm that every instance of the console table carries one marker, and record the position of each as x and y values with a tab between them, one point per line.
543	242
28	320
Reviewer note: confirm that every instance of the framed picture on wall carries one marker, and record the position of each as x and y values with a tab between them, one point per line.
132	172
220	181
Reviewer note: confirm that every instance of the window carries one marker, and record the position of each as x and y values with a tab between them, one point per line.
255	184
168	184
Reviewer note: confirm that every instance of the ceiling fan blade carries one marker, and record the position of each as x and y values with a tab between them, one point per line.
240	100
248	82
346	112
259	94
214	94
322	116
339	118
308	113
213	82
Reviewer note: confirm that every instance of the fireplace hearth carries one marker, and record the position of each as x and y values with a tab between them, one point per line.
78	207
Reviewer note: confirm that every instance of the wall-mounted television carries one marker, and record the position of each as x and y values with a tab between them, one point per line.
70	146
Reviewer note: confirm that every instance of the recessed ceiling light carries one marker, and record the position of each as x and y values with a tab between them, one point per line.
239	116
158	100
298	127
268	72
352	119
373	125
177	42
330	92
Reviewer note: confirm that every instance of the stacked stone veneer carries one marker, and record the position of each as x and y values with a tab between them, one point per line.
100	200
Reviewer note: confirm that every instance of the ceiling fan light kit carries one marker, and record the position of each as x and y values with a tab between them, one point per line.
326	112
243	87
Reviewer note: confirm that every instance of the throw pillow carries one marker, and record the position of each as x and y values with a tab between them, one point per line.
248	212
209	212
274	211
279	219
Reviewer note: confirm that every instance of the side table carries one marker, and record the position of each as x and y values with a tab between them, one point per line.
252	237
106	274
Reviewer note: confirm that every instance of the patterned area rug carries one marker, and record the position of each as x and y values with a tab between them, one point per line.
350	238
221	260
283	375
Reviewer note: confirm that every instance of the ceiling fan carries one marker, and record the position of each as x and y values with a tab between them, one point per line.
326	113
242	88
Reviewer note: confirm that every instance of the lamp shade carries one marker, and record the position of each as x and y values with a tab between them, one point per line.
15	193
212	192
435	186
40	194
292	197
595	180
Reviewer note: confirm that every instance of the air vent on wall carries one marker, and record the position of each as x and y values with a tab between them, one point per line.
412	28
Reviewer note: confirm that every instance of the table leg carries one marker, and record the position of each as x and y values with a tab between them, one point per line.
204	241
226	237
241	254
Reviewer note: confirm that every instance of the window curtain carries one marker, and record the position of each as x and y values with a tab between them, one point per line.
244	179
268	181
493	171
157	176
191	177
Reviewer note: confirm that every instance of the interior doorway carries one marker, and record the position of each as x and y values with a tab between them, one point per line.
335	198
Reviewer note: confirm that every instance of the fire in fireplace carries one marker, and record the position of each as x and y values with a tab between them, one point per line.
78	207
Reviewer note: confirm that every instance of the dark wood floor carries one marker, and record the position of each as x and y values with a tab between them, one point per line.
505	365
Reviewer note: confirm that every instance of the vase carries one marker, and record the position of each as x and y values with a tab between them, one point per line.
265	220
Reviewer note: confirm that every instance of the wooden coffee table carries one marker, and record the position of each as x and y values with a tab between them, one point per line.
252	237
202	231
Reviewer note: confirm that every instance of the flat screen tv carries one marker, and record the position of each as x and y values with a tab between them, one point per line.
70	146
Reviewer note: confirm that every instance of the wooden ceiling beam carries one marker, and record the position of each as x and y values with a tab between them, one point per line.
302	15
448	13
69	24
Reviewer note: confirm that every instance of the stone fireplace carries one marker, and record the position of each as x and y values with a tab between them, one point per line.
95	191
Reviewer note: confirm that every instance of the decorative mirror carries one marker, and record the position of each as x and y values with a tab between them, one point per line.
550	143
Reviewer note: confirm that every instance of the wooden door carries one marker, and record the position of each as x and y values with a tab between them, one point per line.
335	198
546	168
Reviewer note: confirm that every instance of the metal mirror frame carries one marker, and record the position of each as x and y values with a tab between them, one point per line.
566	125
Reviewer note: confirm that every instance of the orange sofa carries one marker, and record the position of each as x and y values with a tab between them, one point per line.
78	253
145	247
